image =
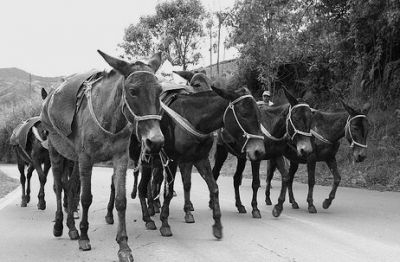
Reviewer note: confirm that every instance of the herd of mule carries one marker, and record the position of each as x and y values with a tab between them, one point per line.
92	118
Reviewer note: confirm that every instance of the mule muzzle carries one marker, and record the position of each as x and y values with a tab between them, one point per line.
360	155
154	143
255	149
304	147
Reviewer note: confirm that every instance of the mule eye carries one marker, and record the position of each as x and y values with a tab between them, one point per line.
133	92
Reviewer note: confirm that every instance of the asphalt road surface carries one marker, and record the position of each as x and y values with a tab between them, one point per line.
360	225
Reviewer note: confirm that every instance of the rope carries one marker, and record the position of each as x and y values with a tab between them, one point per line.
347	131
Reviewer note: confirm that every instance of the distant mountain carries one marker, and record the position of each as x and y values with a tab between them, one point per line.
18	86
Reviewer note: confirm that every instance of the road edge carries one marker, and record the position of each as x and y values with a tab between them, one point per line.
7	199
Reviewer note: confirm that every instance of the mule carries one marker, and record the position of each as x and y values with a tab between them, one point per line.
328	129
29	140
280	124
113	105
185	146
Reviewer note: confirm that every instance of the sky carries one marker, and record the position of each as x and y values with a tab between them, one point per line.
60	37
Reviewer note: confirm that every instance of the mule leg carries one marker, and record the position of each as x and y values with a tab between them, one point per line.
292	171
271	166
311	183
135	184
336	181
165	229
85	174
143	185
72	185
186	172
155	187
221	154
285	179
22	179
120	167
255	168
57	166
204	168
28	186
237	182
110	206
42	178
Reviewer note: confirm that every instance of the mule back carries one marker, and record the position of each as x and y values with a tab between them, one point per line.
60	107
19	136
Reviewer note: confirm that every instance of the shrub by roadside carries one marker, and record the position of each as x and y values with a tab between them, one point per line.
7	184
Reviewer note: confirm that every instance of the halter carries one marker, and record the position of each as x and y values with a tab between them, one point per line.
137	118
347	130
289	121
231	106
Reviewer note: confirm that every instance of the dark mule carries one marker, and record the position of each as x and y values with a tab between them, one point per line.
188	141
280	124
328	129
29	140
112	106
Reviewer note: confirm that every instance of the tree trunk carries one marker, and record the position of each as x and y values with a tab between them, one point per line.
219	37
211	52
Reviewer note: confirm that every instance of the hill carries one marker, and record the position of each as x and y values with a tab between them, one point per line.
18	87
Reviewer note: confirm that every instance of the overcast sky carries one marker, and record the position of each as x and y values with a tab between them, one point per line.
60	37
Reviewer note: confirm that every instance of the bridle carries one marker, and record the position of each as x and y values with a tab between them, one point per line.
231	106
290	122
347	131
125	103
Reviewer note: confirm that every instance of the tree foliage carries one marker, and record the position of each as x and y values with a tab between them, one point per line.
175	28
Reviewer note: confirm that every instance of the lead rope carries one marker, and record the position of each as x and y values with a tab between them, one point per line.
347	130
248	136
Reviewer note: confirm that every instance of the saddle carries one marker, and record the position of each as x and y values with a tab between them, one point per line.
170	90
61	106
19	136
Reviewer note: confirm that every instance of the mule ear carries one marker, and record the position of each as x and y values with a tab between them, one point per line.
292	100
44	93
121	66
349	109
155	61
218	88
365	109
187	75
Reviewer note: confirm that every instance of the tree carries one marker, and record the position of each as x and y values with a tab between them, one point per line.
176	29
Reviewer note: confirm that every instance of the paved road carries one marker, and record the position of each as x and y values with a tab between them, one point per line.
361	225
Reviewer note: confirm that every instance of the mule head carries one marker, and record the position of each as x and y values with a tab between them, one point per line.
141	92
40	134
298	124
356	130
241	120
197	79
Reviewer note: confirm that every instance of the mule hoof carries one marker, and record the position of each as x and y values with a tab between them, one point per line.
276	212
84	244
133	194
241	209
28	199
268	202
57	230
326	204
165	231
189	218
295	205
217	232
150	225
41	205
23	203
151	211
191	208
256	213
109	219
125	256
73	234
76	215
312	209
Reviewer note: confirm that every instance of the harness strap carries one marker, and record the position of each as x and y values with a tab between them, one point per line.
289	121
320	137
347	131
231	106
183	122
268	134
